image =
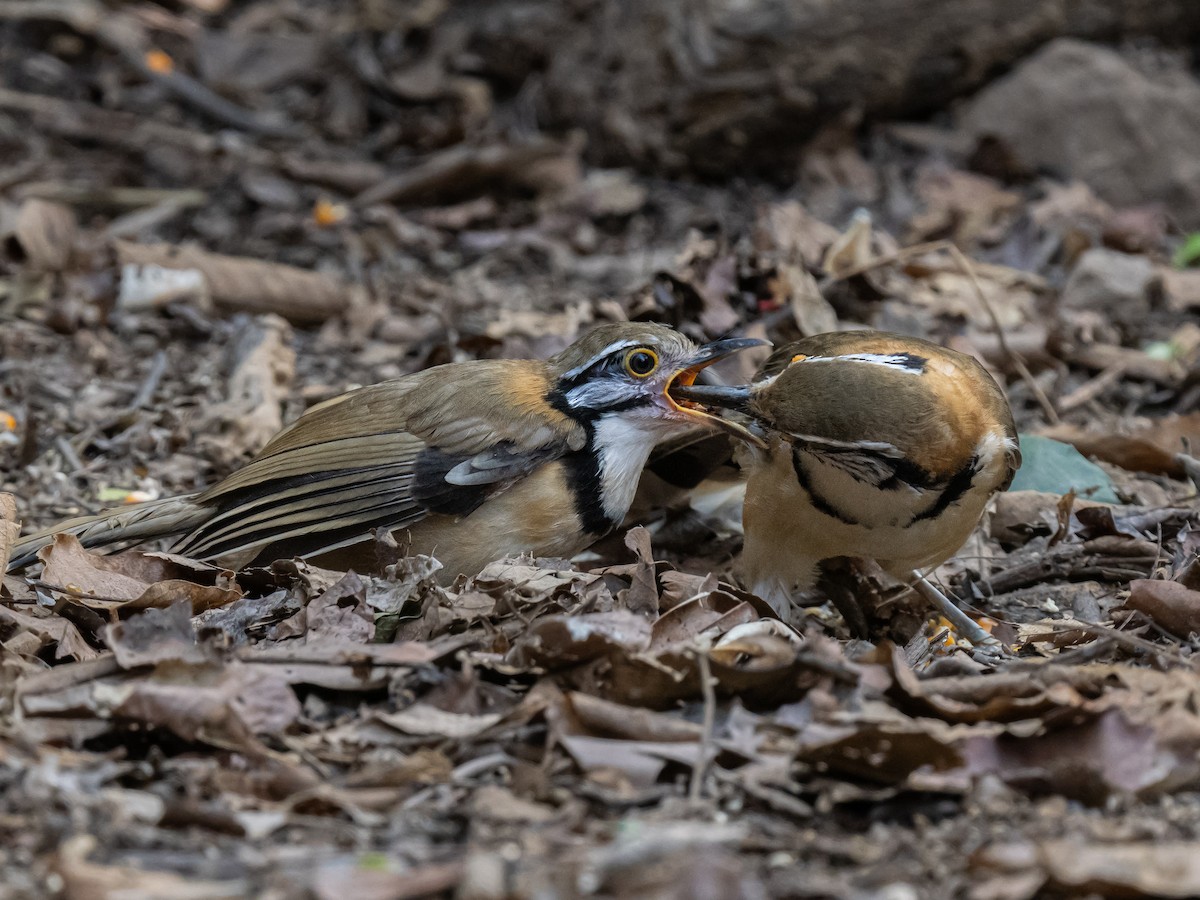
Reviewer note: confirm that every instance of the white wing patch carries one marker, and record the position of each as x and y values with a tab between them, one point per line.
903	362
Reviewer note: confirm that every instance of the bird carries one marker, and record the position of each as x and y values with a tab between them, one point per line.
871	445
471	461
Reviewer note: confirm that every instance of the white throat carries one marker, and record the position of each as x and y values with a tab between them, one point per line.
623	447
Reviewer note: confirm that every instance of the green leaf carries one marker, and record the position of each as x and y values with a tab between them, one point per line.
1188	253
113	494
1055	468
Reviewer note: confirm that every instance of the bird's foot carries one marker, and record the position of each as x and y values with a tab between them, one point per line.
985	644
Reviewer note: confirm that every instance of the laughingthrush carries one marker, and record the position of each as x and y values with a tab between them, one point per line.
473	461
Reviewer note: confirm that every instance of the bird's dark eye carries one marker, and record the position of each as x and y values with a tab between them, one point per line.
641	362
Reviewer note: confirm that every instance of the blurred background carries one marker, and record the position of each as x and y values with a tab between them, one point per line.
214	214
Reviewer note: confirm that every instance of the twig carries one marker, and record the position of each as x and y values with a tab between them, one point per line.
78	195
193	93
126	37
700	771
1017	361
1093	387
964	624
885	260
158	368
70	457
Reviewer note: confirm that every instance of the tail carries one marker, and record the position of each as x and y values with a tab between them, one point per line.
140	522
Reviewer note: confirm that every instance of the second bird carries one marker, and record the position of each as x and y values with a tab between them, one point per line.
870	445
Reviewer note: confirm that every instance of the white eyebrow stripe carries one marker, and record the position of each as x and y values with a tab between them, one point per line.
610	349
903	362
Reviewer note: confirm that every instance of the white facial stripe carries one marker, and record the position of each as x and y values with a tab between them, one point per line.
610	349
900	361
603	393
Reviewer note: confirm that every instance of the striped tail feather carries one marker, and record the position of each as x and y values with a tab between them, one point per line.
140	522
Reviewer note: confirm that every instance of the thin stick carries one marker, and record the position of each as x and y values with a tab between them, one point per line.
1094	387
887	259
706	737
1015	358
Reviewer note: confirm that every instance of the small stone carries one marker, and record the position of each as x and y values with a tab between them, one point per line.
1119	286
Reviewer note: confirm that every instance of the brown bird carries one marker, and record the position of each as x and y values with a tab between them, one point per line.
474	460
872	445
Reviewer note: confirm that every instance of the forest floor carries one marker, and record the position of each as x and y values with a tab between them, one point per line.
170	729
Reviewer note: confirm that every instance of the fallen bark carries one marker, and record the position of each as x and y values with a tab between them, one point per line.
240	284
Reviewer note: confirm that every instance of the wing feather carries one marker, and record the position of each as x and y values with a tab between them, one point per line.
386	456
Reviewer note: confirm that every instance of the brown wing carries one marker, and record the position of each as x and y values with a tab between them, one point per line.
386	456
918	401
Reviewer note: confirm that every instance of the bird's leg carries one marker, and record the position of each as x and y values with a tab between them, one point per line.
963	623
838	582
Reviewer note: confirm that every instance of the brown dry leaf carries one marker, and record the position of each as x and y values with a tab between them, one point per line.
754	655
218	704
639	761
463	170
961	206
1019	516
520	579
952	293
1133	869
43	627
791	233
127	581
1088	761
339	614
1168	604
1182	287
263	367
371	879
667	670
555	641
798	288
47	233
1151	448
10	528
425	719
642	593
683	624
1070	206
493	803
603	718
852	249
242	284
720	283
84	880
154	636
1158	869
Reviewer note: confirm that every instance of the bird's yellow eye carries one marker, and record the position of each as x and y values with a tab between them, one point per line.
641	362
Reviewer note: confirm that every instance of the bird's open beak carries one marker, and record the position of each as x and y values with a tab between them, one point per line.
686	396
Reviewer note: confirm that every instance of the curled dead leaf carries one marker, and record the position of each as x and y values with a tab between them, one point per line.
132	580
47	233
1169	604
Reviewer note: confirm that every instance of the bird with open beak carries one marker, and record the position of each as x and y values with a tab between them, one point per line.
470	461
